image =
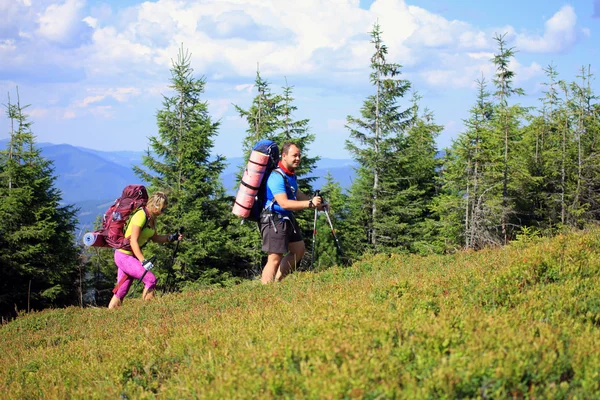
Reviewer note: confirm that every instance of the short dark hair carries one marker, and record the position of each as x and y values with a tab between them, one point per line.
287	145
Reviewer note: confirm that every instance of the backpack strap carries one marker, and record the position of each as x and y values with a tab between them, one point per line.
288	188
144	226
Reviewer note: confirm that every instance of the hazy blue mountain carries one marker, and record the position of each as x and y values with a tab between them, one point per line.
123	158
82	175
92	179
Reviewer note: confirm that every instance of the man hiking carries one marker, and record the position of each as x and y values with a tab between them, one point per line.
278	227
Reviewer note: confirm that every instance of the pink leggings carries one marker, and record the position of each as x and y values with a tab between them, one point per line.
129	268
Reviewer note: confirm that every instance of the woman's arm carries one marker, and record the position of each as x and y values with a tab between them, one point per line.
160	238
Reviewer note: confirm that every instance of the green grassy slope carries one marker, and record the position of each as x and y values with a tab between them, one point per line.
519	322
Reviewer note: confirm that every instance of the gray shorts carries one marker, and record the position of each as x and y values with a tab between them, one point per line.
277	233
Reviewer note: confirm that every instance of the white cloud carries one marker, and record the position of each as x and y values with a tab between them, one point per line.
35	113
336	124
92	22
128	52
561	33
525	73
89	100
68	114
59	22
119	94
102	111
218	107
246	87
7	45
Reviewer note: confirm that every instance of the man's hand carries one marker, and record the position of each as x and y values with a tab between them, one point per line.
316	201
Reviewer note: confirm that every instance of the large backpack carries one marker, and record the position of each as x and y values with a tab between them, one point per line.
252	193
114	221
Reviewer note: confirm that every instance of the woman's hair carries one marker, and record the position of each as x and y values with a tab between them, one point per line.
157	201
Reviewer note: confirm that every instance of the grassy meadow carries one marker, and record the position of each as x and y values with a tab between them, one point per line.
517	322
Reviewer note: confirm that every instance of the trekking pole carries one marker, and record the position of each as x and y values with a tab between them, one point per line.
314	241
337	242
151	260
179	232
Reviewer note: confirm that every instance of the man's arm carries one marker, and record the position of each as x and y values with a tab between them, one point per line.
317	200
297	205
292	205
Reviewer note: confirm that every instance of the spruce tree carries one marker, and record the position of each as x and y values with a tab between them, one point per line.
588	112
181	164
374	138
39	257
507	127
413	179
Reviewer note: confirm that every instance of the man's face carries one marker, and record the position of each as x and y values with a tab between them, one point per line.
291	159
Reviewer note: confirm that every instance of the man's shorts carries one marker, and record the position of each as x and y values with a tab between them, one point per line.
278	232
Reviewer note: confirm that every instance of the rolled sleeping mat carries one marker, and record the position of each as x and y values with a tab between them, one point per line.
253	175
94	239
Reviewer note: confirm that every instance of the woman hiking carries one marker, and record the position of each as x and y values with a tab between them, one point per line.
141	229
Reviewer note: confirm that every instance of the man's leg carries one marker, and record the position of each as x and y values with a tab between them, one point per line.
271	267
291	261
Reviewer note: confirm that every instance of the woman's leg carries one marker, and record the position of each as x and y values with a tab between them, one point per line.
131	267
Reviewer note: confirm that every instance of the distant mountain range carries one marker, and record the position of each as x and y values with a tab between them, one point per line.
93	179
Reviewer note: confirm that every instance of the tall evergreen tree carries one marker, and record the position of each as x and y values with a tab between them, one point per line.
413	179
588	114
374	137
181	164
39	258
506	123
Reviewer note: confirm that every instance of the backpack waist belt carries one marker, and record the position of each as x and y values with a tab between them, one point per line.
271	217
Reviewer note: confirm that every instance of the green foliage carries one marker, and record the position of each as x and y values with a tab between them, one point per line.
181	165
515	322
396	178
39	256
374	139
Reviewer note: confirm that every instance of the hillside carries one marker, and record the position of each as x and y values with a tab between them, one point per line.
517	322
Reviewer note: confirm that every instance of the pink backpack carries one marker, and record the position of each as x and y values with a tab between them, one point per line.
114	221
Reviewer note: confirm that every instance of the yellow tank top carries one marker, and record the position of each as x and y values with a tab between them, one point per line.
138	219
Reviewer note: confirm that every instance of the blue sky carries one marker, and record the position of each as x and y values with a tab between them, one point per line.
94	71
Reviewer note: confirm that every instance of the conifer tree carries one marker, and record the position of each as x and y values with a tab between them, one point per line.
414	181
39	258
588	112
181	164
375	137
506	124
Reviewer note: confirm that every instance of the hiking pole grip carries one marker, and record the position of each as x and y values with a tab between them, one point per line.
167	283
180	232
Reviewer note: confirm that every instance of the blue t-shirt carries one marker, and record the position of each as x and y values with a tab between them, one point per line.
276	185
